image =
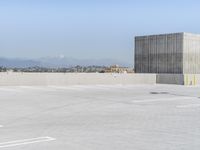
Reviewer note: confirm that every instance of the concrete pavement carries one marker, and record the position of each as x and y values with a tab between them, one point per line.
96	117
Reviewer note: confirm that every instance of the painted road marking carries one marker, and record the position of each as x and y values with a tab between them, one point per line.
26	141
67	88
188	106
161	99
10	90
35	88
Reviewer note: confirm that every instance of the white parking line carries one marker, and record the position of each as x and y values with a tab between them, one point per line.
35	88
10	90
26	141
161	99
188	106
76	88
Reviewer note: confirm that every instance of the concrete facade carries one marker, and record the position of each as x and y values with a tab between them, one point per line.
179	79
170	79
175	53
191	54
65	79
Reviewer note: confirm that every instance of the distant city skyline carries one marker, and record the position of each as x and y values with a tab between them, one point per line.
89	29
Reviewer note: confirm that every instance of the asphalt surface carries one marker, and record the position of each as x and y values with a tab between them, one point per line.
101	117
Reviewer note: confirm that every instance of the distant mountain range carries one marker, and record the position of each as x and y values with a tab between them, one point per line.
55	62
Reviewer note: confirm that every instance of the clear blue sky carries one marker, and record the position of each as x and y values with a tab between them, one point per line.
89	28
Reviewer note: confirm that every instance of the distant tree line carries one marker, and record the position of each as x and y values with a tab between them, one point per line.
3	69
77	69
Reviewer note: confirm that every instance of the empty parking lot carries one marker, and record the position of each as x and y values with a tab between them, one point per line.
100	117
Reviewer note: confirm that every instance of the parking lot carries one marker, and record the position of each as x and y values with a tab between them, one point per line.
100	117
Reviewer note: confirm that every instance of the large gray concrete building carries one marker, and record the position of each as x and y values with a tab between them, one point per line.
176	53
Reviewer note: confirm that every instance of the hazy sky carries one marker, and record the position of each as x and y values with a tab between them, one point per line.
89	28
